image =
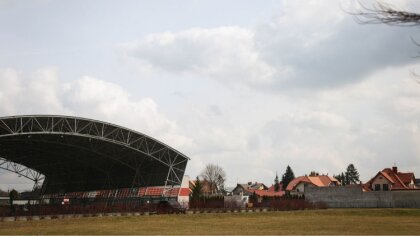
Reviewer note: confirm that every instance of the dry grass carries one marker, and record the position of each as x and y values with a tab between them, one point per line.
332	221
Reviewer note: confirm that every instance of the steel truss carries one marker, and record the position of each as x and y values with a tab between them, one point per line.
24	171
92	130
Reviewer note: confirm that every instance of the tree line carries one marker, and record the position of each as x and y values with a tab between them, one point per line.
215	176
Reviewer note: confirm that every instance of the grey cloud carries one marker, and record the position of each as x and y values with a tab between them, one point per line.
309	46
347	56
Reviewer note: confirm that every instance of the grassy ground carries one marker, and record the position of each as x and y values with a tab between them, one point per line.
331	221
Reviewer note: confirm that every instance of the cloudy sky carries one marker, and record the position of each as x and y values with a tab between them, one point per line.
249	85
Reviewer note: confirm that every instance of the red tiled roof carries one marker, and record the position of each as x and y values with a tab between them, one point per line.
296	181
398	180
406	178
319	181
386	175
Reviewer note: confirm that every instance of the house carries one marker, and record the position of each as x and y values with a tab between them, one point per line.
391	179
258	190
297	185
228	191
247	189
257	186
241	189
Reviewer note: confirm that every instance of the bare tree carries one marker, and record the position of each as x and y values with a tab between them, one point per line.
215	176
384	13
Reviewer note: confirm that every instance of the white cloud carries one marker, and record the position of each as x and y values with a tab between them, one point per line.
310	44
107	101
42	92
225	53
9	87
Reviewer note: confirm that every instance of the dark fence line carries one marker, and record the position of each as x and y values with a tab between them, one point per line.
276	203
141	205
81	206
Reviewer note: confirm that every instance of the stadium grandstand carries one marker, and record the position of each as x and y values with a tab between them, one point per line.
77	158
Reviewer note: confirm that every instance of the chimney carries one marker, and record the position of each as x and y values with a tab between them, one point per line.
394	169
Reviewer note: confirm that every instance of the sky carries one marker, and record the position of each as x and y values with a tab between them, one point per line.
252	86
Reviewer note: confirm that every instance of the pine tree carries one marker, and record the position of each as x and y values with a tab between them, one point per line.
346	178
338	177
341	178
196	190
287	177
352	176
276	183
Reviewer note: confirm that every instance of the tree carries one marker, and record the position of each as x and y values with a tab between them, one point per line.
287	177
216	177
313	173
196	190
341	178
276	183
13	194
352	175
382	13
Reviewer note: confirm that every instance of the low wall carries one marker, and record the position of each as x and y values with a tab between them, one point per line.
354	197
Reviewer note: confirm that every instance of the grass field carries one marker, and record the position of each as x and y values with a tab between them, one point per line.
331	221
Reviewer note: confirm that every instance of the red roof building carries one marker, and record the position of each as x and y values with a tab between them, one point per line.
297	185
391	179
259	189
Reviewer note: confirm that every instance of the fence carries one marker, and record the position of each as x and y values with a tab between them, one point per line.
273	203
55	206
355	197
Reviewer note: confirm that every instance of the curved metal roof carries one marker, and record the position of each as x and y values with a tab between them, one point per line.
79	154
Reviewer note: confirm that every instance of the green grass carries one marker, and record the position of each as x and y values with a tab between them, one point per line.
331	221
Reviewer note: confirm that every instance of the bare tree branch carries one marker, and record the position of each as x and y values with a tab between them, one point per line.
216	177
383	13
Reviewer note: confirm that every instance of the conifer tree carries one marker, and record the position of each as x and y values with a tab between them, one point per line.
287	177
352	175
276	183
196	190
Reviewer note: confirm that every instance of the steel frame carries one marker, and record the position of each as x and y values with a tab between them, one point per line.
24	171
18	126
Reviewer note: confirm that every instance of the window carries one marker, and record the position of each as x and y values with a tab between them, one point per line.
385	187
377	187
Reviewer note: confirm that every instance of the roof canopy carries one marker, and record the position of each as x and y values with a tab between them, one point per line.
78	154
